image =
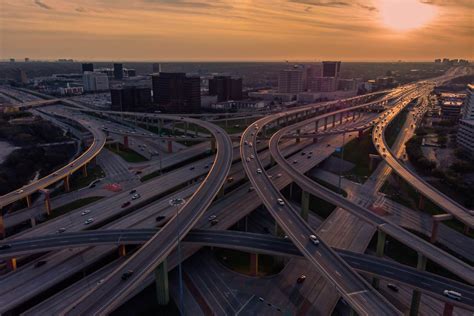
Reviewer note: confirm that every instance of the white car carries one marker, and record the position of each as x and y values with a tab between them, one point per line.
280	202
248	159
259	171
279	175
252	156
135	196
212	217
453	295
20	191
314	239
85	212
88	221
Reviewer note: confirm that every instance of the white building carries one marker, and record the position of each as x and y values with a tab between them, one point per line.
290	81
468	109
95	81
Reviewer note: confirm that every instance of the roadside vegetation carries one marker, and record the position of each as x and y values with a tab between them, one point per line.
127	154
64	209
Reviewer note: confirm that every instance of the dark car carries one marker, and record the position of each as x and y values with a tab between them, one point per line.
160	218
214	222
301	279
133	191
40	263
127	275
7	246
125	204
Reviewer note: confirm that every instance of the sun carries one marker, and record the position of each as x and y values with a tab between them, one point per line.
406	15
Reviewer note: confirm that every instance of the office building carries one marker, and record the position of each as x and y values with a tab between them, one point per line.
468	107
131	72
290	81
176	92
156	68
95	81
130	98
226	88
20	76
347	84
331	69
12	60
322	84
87	67
118	71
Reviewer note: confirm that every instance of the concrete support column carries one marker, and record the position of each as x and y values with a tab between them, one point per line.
2	226
28	200
341	117
325	123
316	126
298	134
448	309
221	192
161	283
213	145
122	249
467	229
315	140
353	115
84	170
195	130
381	236
304	205
11	264
186	126
254	264
67	186
421	201
33	221
125	141
434	231
415	300
170	146
334	120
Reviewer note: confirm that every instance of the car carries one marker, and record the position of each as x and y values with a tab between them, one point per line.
55	174
214	222
248	159
314	239
261	299
127	275
126	204
100	281
246	142
88	221
303	153
206	166
278	175
133	191
309	157
328	145
250	189
392	287
40	263
61	230
259	171
250	145
453	294
20	191
5	246
280	202
270	177
212	217
230	179
252	157
310	152
295	161
301	278
192	168
85	212
160	218
286	237
136	196
138	172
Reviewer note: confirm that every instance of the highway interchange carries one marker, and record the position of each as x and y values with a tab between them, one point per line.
144	260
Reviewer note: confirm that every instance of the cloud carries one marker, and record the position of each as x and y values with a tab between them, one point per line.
367	7
42	5
319	3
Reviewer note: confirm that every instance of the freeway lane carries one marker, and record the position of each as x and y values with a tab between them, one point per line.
104	298
93	150
450	206
435	254
355	290
255	243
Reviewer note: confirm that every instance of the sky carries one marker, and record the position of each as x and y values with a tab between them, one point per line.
237	30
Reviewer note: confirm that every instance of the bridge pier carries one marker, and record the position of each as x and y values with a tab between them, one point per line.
221	192
360	134
354	115
67	186
2	225
372	159
28	201
325	123
161	283
254	264
84	170
316	126
213	145
11	264
421	201
448	309
304	205
436	219
170	146
33	221
122	249
341	117
334	120
297	137
381	236
125	141
416	297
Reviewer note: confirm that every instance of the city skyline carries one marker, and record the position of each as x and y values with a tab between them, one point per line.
200	30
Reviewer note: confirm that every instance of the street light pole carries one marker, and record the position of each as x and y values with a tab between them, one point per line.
340	162
177	202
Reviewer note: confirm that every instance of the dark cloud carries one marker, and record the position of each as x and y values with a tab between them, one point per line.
42	5
81	9
319	3
367	7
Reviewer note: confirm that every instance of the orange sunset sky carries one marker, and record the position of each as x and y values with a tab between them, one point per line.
220	30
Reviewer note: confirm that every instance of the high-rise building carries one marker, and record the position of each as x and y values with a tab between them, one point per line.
156	68
177	92
322	84
118	71
12	60
95	81
290	81
130	98
468	107
331	68
20	76
131	72
465	136
226	88
27	59
87	67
